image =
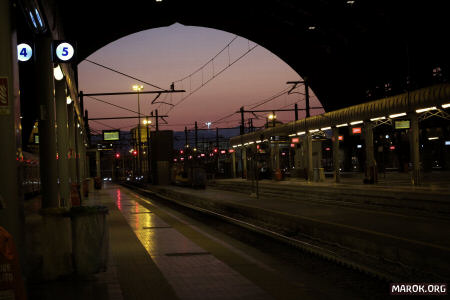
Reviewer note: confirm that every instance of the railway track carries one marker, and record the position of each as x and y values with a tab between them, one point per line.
374	267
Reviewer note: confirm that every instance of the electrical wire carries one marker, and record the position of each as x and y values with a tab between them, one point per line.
123	74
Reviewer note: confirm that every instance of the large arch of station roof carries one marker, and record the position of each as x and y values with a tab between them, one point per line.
343	48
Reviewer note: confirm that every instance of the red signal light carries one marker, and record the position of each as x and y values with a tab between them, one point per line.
215	150
117	155
181	151
134	152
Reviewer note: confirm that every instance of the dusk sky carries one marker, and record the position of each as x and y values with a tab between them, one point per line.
164	55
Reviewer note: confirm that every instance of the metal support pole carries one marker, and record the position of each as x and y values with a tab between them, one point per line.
371	172
414	145
97	163
336	164
309	156
217	138
242	120
185	136
62	134
308	113
47	134
157	120
233	164
149	165
296	111
244	162
139	148
196	136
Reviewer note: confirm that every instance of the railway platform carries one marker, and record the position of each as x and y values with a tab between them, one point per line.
154	254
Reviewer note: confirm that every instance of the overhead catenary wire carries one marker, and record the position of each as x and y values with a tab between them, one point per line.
115	105
123	74
214	75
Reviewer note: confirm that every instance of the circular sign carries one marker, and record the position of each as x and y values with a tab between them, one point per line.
64	51
24	52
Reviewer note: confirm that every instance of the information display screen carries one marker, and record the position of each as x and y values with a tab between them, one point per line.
111	135
402	124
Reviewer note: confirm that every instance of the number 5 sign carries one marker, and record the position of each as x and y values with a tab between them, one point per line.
63	51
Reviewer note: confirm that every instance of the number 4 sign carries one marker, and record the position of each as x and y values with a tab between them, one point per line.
24	52
63	51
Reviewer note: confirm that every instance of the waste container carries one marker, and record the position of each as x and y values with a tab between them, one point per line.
278	175
97	183
75	194
86	187
90	239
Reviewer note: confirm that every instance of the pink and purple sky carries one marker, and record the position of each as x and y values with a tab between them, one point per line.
164	55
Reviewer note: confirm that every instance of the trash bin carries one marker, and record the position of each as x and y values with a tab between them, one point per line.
97	183
75	194
85	187
278	175
90	239
56	239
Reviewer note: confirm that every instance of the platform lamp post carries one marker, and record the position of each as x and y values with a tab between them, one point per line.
147	123
139	88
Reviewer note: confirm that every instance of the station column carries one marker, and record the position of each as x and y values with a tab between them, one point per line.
414	145
73	154
62	134
244	162
47	134
309	156
371	172
11	212
233	164
336	164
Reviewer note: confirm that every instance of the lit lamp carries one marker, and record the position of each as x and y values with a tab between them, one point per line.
272	117
58	73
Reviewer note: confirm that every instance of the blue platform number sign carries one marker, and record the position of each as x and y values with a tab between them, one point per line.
24	52
64	51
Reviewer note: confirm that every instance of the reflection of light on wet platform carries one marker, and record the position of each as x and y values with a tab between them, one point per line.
193	272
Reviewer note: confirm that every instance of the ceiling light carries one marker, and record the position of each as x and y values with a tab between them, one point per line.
425	109
301	133
445	105
356	122
57	72
342	125
397	115
377	119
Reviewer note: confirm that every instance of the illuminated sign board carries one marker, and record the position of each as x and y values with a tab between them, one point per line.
356	130
111	135
223	151
392	147
447	143
63	51
295	140
402	124
292	145
24	52
36	139
341	138
231	151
